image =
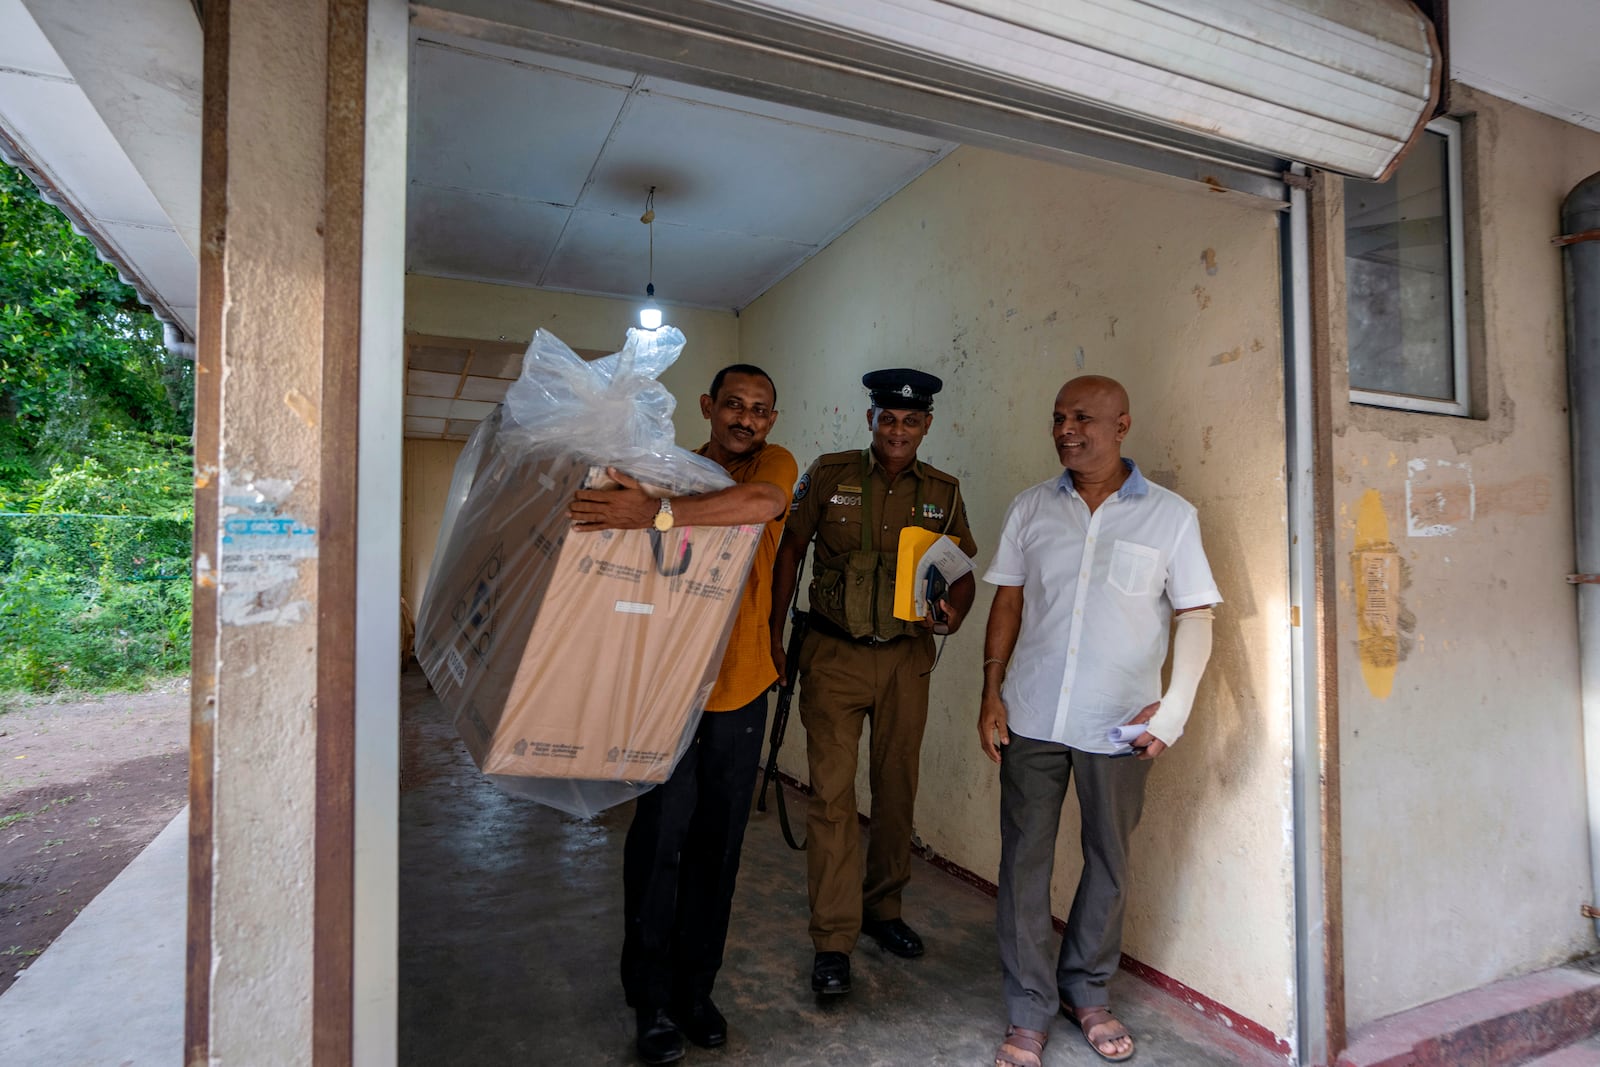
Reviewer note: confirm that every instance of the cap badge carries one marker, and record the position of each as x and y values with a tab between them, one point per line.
905	390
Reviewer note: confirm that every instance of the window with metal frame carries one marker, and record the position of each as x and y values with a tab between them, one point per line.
1405	281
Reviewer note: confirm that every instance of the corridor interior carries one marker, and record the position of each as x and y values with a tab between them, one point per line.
511	927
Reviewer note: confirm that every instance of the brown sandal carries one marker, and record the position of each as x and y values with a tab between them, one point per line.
1022	1048
1093	1017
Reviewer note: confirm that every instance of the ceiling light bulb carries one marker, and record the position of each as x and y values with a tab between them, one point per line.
650	314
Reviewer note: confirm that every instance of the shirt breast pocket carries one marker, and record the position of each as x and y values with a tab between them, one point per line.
840	528
1133	568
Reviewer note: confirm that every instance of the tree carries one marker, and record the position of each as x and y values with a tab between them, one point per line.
80	356
96	472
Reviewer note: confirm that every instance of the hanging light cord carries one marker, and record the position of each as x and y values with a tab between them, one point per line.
649	218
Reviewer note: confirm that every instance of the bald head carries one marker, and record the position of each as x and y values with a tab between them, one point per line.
1090	420
1098	386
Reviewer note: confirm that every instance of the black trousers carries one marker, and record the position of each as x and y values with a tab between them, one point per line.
681	861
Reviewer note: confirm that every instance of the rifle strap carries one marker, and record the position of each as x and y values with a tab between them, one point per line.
779	729
783	820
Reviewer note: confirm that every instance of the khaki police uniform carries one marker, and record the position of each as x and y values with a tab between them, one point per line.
858	663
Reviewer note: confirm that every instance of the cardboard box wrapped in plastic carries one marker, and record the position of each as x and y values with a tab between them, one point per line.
576	664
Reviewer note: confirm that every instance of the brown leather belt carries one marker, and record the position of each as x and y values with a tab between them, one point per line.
824	626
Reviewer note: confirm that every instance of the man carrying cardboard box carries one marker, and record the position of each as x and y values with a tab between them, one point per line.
681	858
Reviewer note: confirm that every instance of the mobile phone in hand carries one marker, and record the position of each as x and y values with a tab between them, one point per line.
938	589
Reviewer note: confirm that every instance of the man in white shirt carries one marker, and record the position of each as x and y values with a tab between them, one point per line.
1091	569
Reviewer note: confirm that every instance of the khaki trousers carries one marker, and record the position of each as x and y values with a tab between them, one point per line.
843	685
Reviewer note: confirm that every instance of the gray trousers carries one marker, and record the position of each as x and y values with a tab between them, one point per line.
1033	785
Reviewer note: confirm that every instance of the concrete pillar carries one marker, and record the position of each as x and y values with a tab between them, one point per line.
281	451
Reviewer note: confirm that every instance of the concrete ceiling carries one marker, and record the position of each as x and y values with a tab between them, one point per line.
101	100
1539	53
527	169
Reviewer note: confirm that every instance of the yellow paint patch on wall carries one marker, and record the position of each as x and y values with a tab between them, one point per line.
1376	565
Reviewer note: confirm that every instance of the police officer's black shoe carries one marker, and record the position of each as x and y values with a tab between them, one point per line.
893	935
701	1022
830	974
659	1040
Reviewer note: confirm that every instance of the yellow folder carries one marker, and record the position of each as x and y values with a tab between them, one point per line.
914	543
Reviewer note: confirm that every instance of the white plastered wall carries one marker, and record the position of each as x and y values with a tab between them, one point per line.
1006	277
1465	840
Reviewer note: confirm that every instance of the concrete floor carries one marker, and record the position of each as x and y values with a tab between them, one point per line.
510	929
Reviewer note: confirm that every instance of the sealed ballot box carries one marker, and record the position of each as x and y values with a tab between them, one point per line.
575	655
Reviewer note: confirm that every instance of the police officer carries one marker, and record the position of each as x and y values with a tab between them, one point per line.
860	662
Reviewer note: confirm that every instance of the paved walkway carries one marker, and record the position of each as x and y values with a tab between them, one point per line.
109	990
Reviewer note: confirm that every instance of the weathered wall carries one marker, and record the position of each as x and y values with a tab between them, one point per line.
1007	277
1465	851
266	634
428	466
448	308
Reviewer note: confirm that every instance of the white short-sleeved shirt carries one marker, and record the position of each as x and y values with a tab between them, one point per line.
1098	594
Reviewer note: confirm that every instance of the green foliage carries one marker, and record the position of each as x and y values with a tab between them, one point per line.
94	570
80	356
95	466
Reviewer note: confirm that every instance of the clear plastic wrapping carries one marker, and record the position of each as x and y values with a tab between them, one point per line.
577	664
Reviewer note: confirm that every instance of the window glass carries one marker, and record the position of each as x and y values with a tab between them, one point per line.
1402	293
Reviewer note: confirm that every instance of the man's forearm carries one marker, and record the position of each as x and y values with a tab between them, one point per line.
737	505
1000	635
628	507
785	573
962	593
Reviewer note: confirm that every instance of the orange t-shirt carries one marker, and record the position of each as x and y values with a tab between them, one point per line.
747	666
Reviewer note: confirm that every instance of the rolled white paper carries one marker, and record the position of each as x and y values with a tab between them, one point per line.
1125	735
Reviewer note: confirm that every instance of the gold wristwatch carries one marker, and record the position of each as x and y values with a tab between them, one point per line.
663	520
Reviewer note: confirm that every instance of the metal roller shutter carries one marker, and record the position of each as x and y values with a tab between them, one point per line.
1221	92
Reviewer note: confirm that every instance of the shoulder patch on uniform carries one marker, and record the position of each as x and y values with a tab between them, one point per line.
802	487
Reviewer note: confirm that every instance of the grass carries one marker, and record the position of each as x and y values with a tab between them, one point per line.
19	816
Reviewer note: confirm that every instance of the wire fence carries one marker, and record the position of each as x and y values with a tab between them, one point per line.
128	548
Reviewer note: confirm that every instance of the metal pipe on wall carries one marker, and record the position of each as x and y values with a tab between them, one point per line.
1311	1016
1580	220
